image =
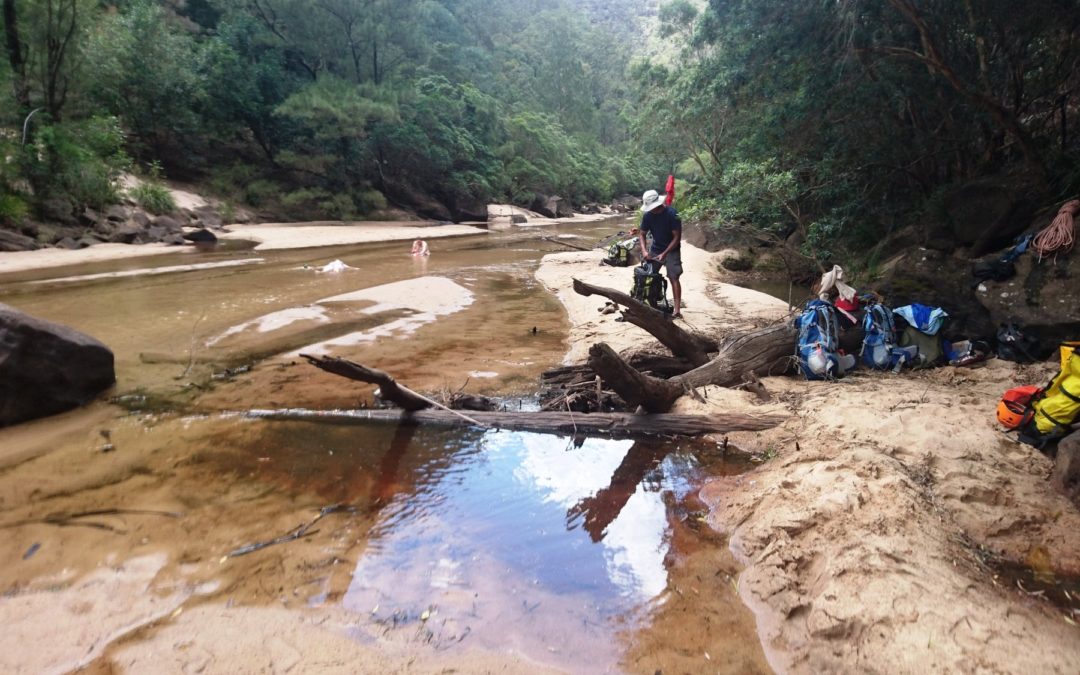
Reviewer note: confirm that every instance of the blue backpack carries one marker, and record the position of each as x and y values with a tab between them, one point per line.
879	350
818	343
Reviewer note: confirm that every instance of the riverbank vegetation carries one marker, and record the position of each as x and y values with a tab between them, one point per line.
842	122
333	108
828	124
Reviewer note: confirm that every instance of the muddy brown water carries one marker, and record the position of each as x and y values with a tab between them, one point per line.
584	556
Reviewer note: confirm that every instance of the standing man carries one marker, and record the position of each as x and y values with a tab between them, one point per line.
663	223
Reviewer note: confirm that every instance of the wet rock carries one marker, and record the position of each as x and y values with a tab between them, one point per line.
202	236
47	368
13	241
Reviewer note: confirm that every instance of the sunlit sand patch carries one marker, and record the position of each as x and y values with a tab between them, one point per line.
429	297
285	236
150	271
275	321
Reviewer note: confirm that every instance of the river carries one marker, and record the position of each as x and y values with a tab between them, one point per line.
434	546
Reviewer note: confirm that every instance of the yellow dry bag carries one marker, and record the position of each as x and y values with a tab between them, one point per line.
1060	404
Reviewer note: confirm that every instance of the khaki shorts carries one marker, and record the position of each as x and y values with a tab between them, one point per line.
672	263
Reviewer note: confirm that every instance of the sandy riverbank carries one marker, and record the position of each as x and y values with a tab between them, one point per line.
270	236
866	533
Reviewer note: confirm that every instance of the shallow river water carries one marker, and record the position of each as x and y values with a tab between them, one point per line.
585	556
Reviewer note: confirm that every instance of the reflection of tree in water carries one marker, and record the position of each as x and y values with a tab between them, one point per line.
600	510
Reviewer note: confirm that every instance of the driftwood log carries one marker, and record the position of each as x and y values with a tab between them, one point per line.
609	424
737	359
693	347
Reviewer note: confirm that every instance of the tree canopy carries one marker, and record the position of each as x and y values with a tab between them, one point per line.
326	107
834	119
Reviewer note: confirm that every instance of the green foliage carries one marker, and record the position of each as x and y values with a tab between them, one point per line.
147	72
75	162
13	209
832	119
152	194
326	109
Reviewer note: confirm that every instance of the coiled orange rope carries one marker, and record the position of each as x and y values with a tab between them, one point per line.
1058	235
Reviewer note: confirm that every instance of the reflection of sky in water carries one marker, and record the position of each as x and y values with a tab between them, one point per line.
487	543
633	546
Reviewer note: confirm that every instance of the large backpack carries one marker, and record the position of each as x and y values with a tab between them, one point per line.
924	332
650	286
818	343
879	349
618	253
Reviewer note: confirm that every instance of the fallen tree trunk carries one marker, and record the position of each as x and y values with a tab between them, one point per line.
766	351
610	424
739	357
636	388
389	389
690	346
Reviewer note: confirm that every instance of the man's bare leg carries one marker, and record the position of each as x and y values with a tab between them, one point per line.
676	293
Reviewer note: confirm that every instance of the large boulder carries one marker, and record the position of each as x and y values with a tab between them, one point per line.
552	206
626	203
543	205
473	210
1041	298
46	368
986	215
936	279
13	241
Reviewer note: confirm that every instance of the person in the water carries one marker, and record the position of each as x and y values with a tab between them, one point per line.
420	247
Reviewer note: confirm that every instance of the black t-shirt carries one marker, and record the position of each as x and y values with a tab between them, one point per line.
663	227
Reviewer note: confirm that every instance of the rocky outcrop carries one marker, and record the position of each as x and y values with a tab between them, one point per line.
552	206
626	203
469	210
47	368
940	280
1042	297
986	215
13	241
